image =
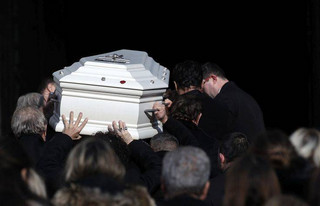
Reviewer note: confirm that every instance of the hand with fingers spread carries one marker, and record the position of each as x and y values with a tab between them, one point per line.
160	112
121	130
72	128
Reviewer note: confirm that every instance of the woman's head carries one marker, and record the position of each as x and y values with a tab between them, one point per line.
250	181
93	156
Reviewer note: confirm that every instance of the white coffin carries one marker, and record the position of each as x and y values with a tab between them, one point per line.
119	85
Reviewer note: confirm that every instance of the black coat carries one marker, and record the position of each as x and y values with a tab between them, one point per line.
180	131
34	146
216	190
295	179
215	120
145	168
208	143
190	134
52	162
244	113
181	200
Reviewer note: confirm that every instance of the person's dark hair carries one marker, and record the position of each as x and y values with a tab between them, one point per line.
233	146
164	142
117	144
186	107
250	181
280	150
187	74
170	94
210	68
44	84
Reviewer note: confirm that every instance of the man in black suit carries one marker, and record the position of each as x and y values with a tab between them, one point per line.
243	110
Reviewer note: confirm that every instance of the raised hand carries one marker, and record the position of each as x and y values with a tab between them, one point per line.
121	130
72	128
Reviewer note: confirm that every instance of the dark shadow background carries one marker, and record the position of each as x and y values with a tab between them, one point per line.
269	48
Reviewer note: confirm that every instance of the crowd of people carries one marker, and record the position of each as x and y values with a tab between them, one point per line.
214	150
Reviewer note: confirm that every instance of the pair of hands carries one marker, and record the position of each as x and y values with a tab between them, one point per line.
73	129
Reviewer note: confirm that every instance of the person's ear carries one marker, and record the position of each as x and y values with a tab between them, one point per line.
222	160
44	134
205	191
24	174
198	119
214	78
175	85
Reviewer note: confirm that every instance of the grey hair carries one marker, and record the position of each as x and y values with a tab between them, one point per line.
28	120
185	170
32	99
164	142
306	141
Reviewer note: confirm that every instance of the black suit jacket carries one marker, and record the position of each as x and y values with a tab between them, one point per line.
208	143
215	120
245	113
34	146
216	190
52	162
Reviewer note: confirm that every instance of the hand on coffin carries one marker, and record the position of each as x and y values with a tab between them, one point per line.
72	128
160	112
121	131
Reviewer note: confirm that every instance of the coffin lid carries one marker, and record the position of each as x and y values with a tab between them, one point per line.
129	69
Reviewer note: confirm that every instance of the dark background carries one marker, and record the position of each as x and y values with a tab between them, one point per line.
269	48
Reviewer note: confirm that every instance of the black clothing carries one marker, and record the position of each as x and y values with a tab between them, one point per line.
295	179
52	162
158	195
181	200
188	133
33	145
215	119
208	143
103	182
145	168
245	113
179	130
216	190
